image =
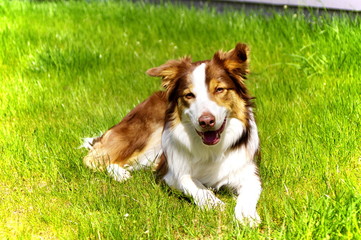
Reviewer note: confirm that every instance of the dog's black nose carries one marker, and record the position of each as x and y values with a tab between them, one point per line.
207	120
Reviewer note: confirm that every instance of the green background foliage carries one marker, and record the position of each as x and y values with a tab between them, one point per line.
73	69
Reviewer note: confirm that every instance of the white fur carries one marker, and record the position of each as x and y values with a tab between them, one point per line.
193	167
88	143
118	173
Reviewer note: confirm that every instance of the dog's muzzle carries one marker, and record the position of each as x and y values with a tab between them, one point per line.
210	137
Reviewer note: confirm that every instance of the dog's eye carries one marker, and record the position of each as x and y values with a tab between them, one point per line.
219	90
189	95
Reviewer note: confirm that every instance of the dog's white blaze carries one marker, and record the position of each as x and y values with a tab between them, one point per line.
203	103
199	84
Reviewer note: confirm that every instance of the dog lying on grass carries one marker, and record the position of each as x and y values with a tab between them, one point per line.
199	133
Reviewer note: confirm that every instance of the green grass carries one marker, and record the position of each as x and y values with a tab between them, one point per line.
72	69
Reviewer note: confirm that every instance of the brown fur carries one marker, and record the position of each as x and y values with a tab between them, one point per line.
125	141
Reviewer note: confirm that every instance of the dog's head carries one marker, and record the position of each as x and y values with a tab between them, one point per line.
206	94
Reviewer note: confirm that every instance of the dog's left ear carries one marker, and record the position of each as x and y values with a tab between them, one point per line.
170	70
235	61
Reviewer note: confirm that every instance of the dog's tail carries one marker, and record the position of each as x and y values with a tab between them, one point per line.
88	143
97	158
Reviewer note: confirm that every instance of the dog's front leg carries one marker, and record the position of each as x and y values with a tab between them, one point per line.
202	196
248	195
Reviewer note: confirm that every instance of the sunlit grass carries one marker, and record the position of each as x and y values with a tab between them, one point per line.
73	69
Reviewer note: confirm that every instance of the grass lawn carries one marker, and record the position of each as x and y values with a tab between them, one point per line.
73	69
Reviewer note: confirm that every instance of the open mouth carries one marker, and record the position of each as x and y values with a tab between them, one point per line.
212	137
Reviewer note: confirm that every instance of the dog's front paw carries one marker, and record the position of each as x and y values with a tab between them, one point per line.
206	199
248	219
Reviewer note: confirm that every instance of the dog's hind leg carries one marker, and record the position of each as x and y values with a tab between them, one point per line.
131	144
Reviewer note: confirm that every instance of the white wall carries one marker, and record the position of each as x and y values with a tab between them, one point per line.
331	4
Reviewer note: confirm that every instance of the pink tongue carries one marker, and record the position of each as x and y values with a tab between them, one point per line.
210	137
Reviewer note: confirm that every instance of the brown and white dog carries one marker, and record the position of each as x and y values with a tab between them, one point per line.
200	133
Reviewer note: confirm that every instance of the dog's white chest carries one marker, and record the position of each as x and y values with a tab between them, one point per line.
226	169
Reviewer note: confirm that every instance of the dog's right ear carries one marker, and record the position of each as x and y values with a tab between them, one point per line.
170	70
235	61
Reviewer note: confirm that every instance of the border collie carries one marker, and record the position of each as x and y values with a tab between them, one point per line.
199	133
